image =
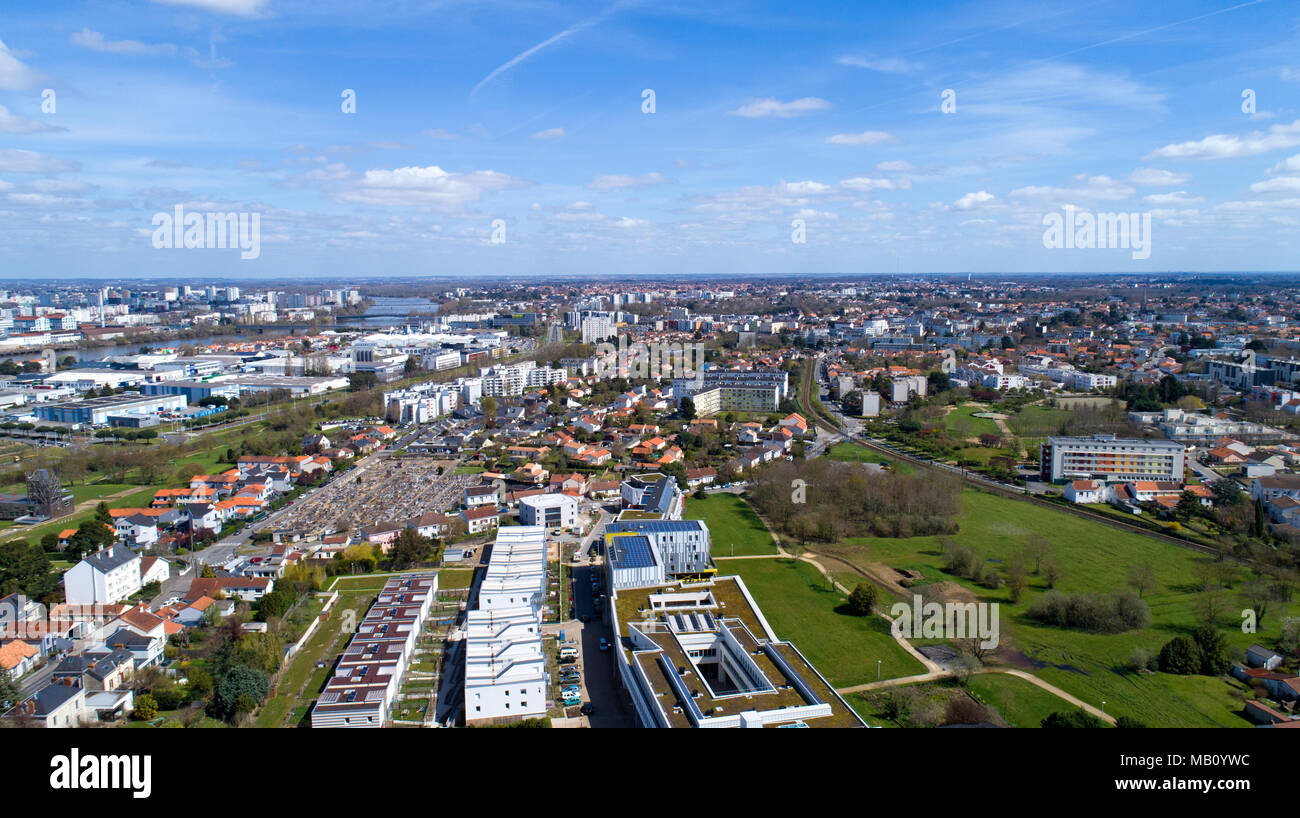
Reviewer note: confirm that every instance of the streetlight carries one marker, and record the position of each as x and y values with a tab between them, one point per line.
878	669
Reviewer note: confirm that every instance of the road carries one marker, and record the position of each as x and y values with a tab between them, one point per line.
598	684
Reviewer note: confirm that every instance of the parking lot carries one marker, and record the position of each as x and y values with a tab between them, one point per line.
597	666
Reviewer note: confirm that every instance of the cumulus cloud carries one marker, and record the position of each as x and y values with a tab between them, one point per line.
1227	146
770	106
14	74
426	187
971	200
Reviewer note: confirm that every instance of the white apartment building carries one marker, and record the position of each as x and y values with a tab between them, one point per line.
103	578
549	510
505	669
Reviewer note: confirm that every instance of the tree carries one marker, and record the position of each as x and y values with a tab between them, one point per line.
239	681
9	690
1182	656
1072	719
411	547
1052	572
1129	723
207	572
1214	650
1037	548
862	602
1016	578
102	514
687	409
1142	577
146	708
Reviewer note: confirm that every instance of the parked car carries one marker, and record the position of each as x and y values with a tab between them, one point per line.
572	701
604	643
588	709
571	690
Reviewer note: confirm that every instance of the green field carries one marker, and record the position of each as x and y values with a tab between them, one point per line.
1021	703
734	528
962	423
855	453
797	603
1094	558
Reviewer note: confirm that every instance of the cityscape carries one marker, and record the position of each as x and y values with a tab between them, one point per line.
621	365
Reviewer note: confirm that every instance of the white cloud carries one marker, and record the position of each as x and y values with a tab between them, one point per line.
1177	197
886	65
971	200
864	138
1291	165
241	8
96	42
1085	187
13	123
613	181
770	106
865	183
14	160
439	133
895	166
14	75
1225	146
426	186
549	133
1282	184
1153	177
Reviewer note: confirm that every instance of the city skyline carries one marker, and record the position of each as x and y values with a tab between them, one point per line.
517	139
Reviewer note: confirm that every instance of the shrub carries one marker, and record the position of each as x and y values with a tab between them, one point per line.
1181	655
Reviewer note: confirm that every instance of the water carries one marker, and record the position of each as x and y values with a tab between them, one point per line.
389	310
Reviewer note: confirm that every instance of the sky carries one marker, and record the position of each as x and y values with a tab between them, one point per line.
392	138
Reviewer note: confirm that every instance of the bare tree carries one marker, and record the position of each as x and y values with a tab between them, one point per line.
1142	577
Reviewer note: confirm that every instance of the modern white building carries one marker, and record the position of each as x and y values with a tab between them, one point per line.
549	510
640	553
505	669
103	578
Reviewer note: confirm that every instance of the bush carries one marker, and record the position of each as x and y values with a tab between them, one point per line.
1181	655
146	708
1110	613
862	602
1072	719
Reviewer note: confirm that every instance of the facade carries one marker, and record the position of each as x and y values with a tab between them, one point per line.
104	577
104	410
369	675
1109	458
505	669
549	510
641	553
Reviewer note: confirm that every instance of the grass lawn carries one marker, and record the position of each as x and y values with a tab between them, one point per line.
962	422
1095	559
302	673
798	605
855	453
734	528
1037	421
1021	703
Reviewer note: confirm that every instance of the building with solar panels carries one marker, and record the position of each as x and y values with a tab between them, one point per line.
653	493
651	552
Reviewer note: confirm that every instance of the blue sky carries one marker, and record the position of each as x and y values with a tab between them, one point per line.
532	113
